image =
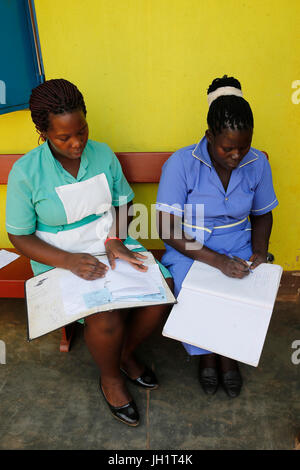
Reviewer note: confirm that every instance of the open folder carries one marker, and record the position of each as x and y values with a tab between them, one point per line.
59	297
225	315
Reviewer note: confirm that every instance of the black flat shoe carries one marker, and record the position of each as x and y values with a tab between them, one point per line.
146	380
232	382
128	413
209	380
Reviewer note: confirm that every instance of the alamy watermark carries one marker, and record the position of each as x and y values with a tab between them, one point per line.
296	94
2	92
2	352
295	358
187	223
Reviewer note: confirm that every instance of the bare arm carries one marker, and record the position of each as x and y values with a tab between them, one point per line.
82	264
261	230
170	231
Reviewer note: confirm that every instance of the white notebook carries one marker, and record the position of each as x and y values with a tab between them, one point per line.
225	315
59	297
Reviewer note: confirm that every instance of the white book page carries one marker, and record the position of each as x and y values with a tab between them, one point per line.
258	288
122	281
219	325
124	278
73	288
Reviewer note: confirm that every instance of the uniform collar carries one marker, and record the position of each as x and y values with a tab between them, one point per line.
83	162
250	157
201	153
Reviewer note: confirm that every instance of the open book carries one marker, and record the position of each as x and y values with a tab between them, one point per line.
59	297
225	315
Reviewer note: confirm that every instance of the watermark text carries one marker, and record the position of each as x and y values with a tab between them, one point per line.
295	358
2	92
296	94
2	352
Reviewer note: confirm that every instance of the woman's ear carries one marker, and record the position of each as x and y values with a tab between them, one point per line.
209	135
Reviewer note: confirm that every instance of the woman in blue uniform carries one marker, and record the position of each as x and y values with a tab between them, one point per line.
64	204
216	200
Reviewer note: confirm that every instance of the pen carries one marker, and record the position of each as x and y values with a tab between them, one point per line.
236	259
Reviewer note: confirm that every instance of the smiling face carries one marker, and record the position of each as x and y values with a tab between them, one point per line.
67	134
229	147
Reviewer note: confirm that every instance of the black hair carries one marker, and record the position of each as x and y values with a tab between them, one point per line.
57	96
229	111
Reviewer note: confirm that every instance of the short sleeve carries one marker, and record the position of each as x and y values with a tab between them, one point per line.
122	192
264	197
172	189
20	212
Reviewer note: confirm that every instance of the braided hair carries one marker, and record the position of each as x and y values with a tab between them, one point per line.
230	111
57	96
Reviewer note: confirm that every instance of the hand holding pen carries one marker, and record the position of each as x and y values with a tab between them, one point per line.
257	259
233	266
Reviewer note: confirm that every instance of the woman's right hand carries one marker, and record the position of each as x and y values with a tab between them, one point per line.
233	267
85	266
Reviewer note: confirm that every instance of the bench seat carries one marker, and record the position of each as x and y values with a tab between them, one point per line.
138	167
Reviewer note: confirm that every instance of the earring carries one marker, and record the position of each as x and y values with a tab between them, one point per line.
41	137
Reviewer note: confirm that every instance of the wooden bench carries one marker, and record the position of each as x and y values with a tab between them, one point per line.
137	167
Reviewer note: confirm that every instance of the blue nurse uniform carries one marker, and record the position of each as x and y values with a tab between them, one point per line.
191	189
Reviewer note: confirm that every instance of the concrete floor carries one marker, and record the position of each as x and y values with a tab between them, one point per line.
50	400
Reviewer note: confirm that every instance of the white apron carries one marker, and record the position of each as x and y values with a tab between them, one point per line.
80	200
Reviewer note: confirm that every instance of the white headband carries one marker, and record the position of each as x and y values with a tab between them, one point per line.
222	91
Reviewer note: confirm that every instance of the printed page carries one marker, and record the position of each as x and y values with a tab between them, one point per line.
127	280
7	257
48	311
258	288
76	292
122	282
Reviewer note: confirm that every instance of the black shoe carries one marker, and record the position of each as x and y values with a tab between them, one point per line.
209	380
128	413
232	382
146	380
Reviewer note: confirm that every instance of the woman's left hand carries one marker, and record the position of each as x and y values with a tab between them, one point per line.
116	249
257	259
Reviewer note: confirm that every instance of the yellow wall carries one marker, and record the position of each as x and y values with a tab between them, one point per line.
144	67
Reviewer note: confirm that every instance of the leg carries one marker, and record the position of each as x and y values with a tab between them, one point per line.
142	323
67	333
104	334
227	364
208	360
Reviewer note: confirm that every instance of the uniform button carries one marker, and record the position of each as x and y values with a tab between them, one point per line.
226	198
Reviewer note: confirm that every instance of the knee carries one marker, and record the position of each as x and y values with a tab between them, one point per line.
105	322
